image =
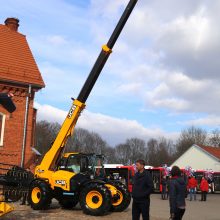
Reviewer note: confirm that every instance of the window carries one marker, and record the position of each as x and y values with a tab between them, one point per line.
73	164
2	126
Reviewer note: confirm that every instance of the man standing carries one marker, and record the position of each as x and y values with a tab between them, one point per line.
142	188
164	188
177	194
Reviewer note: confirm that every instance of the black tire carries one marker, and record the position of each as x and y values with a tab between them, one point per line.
67	203
123	198
95	199
40	195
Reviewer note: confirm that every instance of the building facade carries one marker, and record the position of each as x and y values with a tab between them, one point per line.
20	76
200	158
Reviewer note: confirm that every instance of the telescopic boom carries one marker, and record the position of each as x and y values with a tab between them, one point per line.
52	156
104	54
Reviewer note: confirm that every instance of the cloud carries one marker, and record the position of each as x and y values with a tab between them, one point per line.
171	90
113	130
61	50
167	56
210	120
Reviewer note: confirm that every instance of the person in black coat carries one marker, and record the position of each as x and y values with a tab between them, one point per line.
142	188
164	188
177	194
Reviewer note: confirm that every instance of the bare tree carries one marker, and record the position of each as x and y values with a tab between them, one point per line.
137	149
46	133
110	155
214	139
130	151
188	137
82	140
86	142
122	152
159	152
151	154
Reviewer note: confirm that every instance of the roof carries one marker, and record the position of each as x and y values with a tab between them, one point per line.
17	63
211	151
214	151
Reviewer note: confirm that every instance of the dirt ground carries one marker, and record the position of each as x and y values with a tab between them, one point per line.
196	210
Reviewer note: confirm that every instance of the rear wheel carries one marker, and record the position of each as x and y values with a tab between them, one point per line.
95	199
40	195
121	200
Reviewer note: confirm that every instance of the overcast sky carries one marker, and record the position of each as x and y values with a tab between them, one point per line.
162	76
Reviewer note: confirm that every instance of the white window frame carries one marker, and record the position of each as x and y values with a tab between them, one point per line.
2	129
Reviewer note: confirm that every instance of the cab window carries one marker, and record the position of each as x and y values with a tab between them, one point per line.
73	164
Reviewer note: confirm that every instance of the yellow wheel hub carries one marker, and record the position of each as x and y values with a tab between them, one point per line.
119	200
115	193
94	199
36	195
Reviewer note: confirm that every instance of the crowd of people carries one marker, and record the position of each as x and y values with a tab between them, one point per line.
191	188
175	187
143	187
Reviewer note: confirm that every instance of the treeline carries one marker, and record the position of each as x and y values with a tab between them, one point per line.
155	152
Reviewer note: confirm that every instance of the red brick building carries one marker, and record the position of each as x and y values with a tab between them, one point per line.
19	75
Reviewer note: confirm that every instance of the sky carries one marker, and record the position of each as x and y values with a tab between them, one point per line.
162	76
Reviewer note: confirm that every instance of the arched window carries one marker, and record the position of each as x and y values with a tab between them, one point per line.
2	127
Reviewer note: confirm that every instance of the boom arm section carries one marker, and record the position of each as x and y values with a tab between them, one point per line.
104	54
68	126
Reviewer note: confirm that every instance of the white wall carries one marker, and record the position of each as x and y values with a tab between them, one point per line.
197	159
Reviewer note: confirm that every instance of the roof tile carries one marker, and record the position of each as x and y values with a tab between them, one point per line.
215	151
17	63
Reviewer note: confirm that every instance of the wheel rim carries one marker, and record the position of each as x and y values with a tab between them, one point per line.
94	199
119	200
115	194
36	195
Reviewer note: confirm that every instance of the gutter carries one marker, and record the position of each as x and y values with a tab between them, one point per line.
22	83
25	126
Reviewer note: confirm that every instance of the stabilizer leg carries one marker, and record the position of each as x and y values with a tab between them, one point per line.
5	208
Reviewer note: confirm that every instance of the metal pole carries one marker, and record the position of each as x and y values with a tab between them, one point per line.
25	127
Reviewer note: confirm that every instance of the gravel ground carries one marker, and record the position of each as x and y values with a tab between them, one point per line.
196	210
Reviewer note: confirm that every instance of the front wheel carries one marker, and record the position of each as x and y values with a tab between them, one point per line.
95	199
40	195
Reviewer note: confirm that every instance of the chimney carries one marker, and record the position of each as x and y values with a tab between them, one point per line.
12	23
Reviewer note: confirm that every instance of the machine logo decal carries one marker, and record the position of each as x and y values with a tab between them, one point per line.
60	182
71	111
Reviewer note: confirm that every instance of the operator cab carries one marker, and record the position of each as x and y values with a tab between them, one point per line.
76	163
83	163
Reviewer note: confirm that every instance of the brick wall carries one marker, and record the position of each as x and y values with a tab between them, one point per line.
11	150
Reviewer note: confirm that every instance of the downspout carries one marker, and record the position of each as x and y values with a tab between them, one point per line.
25	126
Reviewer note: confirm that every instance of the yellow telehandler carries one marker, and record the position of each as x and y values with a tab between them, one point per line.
75	177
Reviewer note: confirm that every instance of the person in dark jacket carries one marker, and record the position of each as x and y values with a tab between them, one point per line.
164	188
177	191
168	186
142	188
